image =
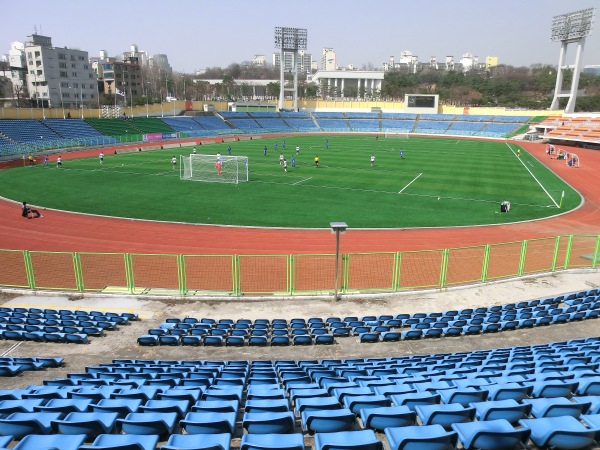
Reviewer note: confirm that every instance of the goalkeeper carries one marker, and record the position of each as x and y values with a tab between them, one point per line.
219	167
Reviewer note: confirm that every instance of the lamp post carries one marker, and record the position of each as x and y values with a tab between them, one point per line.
337	228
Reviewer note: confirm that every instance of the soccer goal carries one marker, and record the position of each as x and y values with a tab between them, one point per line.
396	134
214	168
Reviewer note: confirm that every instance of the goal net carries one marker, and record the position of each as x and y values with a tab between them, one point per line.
396	134
214	168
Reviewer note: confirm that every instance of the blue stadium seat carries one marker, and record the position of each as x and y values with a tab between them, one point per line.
444	415
268	422
148	423
122	442
425	437
348	440
209	422
559	432
53	441
490	435
219	441
509	409
87	423
387	417
292	441
555	407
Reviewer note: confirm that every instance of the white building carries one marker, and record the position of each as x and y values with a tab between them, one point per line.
469	61
17	68
134	52
259	60
305	62
328	61
337	82
58	76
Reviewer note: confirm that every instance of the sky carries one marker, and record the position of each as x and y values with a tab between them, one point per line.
196	34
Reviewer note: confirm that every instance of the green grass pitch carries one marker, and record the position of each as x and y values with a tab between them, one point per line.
439	182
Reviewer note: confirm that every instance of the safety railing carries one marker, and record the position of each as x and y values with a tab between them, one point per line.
292	275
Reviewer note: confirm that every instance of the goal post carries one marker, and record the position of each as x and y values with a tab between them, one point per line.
398	134
214	168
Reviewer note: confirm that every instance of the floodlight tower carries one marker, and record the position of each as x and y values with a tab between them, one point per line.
289	40
570	28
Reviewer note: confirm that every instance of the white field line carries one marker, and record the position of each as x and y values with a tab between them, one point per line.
414	179
537	181
301	181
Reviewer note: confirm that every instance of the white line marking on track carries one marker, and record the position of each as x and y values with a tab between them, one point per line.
414	179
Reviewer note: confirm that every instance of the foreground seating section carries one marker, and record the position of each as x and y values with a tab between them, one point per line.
192	331
337	403
58	326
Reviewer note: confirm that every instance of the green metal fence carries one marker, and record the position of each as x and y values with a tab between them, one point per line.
238	275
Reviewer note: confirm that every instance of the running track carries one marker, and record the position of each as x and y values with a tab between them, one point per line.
63	231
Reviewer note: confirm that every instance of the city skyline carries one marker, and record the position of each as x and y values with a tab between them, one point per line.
196	34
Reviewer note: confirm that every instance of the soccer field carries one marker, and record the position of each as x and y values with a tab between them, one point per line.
438	182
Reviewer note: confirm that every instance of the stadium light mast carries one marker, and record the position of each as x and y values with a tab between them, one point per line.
568	29
290	41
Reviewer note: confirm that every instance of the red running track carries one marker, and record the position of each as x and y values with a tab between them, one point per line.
63	231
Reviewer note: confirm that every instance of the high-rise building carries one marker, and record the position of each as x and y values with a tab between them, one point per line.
305	62
328	61
58	76
160	61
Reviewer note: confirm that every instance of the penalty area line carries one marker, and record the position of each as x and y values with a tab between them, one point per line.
414	179
533	176
301	181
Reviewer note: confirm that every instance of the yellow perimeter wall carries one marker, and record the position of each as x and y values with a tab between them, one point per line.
174	108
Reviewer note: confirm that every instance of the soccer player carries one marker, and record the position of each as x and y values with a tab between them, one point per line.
46	161
59	162
219	157
194	151
285	166
317	161
101	156
372	160
326	143
218	166
297	150
401	154
174	162
293	161
275	145
281	159
265	150
518	152
283	144
229	150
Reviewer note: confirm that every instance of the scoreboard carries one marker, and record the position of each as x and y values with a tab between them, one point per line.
421	103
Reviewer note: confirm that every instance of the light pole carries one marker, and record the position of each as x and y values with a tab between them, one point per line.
337	228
